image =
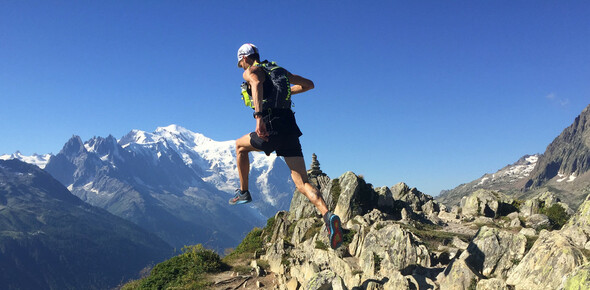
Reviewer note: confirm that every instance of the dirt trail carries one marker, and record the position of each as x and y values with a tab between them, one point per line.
230	280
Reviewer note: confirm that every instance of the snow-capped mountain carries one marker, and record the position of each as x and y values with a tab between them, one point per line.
511	173
35	159
215	161
507	179
173	182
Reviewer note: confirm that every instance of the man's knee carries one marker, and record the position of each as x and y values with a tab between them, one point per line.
242	145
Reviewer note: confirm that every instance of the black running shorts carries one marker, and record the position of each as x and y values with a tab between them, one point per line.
284	145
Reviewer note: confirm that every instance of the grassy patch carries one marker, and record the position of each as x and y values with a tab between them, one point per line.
285	261
313	230
242	269
347	237
246	249
473	284
335	192
184	271
263	264
320	245
432	237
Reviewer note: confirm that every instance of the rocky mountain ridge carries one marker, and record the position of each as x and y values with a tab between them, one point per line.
508	179
565	165
399	238
563	169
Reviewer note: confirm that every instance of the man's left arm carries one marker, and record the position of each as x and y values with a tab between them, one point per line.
299	84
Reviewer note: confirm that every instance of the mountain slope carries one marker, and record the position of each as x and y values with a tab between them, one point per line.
173	182
507	180
563	169
49	238
565	165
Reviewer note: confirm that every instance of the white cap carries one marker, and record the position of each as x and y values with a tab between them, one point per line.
245	50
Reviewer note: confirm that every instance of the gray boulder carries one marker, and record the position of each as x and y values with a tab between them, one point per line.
579	279
530	207
493	252
537	221
321	281
483	202
552	257
384	198
396	281
353	197
382	247
411	196
492	284
457	276
300	229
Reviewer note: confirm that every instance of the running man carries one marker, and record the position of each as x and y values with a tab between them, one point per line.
271	88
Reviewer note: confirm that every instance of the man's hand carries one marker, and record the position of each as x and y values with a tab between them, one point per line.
261	129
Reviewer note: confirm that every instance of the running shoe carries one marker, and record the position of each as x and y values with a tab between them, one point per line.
334	229
241	197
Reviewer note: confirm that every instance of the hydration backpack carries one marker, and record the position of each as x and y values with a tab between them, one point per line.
276	88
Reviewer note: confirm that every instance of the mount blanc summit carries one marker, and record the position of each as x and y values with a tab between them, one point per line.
173	182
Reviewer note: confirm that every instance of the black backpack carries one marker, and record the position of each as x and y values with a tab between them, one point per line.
276	88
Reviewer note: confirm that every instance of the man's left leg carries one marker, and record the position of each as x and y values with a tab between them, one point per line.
243	147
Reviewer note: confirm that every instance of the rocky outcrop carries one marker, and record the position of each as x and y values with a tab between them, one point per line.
298	251
381	248
393	241
494	252
578	279
551	257
491	254
486	203
457	276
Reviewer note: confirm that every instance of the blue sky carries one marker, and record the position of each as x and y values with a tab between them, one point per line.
431	93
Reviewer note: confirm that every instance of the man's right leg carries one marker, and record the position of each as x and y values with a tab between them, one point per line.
299	175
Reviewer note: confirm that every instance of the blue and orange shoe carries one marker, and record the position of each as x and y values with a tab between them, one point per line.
334	229
241	197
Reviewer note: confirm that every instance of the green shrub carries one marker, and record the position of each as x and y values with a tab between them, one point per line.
270	223
556	214
377	262
335	192
320	245
183	271
348	236
291	230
